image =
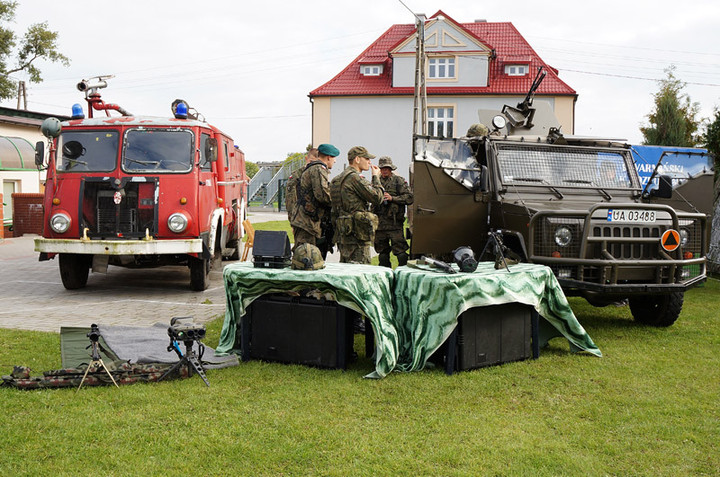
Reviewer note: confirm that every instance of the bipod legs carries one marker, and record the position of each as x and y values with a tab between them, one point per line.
97	363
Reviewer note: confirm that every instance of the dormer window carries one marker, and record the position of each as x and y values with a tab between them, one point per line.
516	70
441	68
371	70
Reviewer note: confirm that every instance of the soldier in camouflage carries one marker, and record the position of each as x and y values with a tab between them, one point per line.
390	235
313	201
293	183
355	225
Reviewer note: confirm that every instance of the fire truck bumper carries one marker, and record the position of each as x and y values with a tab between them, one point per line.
119	247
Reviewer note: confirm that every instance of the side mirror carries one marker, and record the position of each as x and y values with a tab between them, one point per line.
664	190
39	153
211	150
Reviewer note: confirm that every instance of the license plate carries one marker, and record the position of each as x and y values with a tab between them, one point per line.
631	215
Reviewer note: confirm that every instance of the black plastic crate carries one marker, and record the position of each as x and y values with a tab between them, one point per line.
490	335
298	330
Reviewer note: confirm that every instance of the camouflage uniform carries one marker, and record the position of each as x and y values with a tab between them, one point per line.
391	221
351	193
291	192
313	204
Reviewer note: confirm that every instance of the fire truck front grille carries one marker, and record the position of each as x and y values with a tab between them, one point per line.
127	212
111	218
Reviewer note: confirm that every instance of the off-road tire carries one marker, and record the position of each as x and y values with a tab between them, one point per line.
74	270
657	310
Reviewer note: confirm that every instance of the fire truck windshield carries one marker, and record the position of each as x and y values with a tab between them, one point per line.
157	150
94	151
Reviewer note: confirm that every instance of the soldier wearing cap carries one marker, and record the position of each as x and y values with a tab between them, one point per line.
351	194
391	215
313	201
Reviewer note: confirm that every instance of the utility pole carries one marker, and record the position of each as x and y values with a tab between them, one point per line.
22	94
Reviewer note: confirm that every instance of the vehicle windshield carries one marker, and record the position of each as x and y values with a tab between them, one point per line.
453	156
681	166
158	150
87	151
564	166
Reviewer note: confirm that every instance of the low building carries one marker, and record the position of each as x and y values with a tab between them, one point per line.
469	67
19	132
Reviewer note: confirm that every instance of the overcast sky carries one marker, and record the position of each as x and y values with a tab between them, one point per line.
249	66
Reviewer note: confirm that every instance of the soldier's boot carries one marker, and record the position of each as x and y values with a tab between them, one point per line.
402	259
384	260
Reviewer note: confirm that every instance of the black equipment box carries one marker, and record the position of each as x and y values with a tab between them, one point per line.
298	330
271	249
491	335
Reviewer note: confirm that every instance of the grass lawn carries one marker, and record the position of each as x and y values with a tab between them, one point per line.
650	406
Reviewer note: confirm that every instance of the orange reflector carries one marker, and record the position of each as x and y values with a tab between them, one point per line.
687	255
556	254
56	201
220	201
183	200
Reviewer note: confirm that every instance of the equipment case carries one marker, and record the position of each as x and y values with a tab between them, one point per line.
300	330
491	335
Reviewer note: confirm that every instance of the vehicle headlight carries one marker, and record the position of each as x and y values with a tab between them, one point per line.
60	223
563	236
177	222
684	237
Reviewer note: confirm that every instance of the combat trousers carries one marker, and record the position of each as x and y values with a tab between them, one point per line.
387	241
355	252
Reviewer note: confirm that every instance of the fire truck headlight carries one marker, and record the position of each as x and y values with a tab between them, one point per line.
177	222
60	223
563	236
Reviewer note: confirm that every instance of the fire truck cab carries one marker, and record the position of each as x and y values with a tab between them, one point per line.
139	192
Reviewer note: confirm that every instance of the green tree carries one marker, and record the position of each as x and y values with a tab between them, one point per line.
711	139
251	169
37	43
673	122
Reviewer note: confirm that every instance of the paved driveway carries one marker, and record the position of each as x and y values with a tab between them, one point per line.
32	296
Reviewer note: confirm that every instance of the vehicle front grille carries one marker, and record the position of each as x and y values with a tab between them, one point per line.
627	250
132	215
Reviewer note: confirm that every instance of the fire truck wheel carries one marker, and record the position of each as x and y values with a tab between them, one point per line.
74	269
199	273
657	310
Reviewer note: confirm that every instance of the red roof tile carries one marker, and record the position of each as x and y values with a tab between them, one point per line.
509	45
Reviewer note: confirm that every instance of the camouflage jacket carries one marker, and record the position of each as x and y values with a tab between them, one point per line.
352	193
391	214
313	198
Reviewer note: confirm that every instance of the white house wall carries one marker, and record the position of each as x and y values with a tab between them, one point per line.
470	71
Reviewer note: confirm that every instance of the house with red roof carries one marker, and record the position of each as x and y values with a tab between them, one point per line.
469	67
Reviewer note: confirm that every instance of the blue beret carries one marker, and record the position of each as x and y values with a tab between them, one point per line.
328	150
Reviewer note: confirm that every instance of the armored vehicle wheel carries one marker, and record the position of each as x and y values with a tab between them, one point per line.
657	310
199	273
74	270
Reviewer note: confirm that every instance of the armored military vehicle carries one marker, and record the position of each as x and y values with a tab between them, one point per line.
575	204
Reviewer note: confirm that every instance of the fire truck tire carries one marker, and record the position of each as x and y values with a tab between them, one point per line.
657	310
199	273
74	270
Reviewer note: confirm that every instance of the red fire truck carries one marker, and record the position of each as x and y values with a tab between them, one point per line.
139	192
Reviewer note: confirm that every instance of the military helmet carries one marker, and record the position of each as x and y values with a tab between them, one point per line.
477	130
307	256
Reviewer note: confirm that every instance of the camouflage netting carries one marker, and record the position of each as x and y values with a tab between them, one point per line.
122	371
